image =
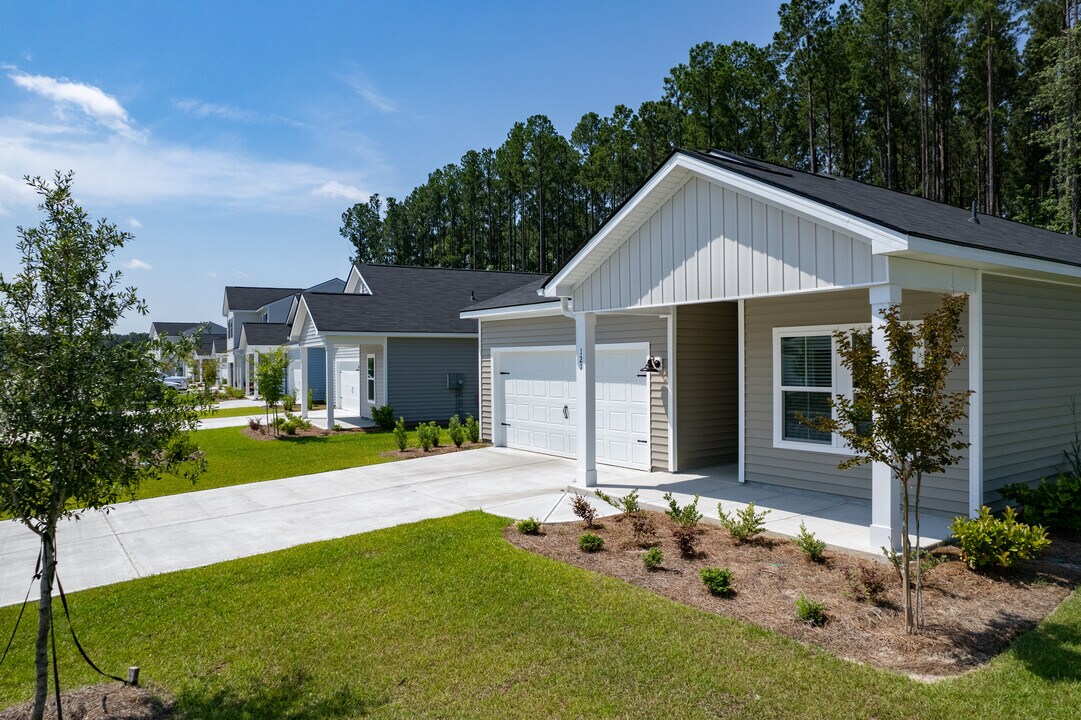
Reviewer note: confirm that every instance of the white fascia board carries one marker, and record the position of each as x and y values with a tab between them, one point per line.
352	336
984	259
352	281
513	311
298	321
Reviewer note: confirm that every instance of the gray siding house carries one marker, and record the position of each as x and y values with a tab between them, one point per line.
696	324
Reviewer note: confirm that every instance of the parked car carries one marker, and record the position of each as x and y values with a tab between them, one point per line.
178	382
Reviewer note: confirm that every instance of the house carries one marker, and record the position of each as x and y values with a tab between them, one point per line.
695	325
211	346
174	331
394	337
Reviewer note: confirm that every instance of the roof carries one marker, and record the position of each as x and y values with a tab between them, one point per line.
909	214
211	344
205	328
412	300
252	298
256	333
524	295
172	328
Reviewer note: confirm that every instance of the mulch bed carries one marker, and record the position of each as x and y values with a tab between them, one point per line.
111	701
415	452
265	434
969	616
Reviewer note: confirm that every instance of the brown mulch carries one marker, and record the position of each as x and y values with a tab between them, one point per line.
265	434
415	452
969	616
111	701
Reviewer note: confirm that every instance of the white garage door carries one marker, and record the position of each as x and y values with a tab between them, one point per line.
349	384
538	403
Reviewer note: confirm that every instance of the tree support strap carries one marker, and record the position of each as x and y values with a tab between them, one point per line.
37	576
67	614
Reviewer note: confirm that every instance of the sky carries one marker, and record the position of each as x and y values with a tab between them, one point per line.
228	138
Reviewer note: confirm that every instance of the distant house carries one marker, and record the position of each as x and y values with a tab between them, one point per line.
394	337
209	333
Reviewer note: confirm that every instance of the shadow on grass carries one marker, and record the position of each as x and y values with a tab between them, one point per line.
1052	651
296	695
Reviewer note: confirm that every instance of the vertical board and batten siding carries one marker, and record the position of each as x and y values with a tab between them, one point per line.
1031	379
417	377
559	330
707	385
809	470
708	242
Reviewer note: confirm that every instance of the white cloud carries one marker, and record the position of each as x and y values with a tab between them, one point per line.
211	274
335	189
202	110
363	87
137	264
91	100
241	275
132	222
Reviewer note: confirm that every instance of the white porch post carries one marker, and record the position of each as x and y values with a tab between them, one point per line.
885	490
331	382
975	401
303	389
255	374
585	331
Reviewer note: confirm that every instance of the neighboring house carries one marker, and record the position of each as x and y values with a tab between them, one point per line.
211	347
173	331
732	274
394	337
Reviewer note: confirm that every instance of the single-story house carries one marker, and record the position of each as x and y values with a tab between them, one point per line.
394	337
695	326
208	331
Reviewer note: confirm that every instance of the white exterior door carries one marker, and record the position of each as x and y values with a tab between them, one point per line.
536	403
349	384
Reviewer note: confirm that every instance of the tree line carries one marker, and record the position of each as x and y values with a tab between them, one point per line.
959	101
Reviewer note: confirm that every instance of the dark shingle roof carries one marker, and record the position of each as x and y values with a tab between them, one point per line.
205	328
412	299
253	298
266	333
211	344
172	328
524	295
905	213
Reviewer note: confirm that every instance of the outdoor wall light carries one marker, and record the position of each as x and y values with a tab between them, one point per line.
653	365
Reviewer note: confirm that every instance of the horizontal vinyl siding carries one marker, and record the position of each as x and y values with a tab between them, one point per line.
317	373
559	330
1031	375
811	470
707	384
417	377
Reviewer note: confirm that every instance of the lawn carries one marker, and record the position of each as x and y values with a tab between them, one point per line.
445	619
259	411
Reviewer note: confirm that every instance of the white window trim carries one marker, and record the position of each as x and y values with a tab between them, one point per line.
369	381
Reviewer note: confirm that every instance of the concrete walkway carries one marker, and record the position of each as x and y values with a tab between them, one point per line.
164	534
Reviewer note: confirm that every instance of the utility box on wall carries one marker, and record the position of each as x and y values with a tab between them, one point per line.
455	381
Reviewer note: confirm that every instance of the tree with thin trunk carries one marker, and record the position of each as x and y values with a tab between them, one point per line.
271	377
83	419
902	414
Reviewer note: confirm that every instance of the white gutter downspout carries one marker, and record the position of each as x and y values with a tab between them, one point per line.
564	307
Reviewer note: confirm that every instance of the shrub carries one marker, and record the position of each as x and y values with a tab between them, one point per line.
927	560
311	398
686	540
290	428
383	416
628	504
717	580
472	429
653	558
686	516
435	433
1054	504
811	611
643	528
401	437
583	509
528	526
338	427
456	431
809	544
288	403
868	582
278	423
424	436
744	524
590	543
255	423
234	392
987	541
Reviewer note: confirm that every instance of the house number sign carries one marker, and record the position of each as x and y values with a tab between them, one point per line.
581	358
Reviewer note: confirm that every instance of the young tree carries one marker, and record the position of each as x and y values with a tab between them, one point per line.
270	374
901	413
83	419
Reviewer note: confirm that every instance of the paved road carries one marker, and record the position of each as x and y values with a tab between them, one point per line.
164	534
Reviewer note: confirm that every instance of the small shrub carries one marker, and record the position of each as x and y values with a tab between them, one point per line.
338	427
472	429
311	398
435	432
628	504
868	582
590	543
686	540
278	422
653	558
528	526
255	423
811	611
401	437
1054	504
288	403
583	509
717	580
456	431
987	541
927	560
290	428
424	436
643	528
809	544
743	525
686	516
234	392
383	417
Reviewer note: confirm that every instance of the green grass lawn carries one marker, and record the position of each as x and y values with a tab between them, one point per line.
239	412
445	619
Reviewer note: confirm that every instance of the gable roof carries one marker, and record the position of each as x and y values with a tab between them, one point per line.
211	344
256	333
523	295
205	328
252	298
186	328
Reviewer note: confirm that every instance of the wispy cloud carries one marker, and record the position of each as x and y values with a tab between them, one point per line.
133	223
241	275
366	89
92	101
335	189
201	109
137	264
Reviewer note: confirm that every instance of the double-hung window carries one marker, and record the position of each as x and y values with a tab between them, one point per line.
371	379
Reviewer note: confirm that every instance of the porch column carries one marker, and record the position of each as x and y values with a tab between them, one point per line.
332	352
975	401
585	331
255	374
303	389
885	489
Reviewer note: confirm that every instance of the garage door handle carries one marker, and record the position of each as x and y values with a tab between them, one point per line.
505	424
501	372
641	374
566	413
644	442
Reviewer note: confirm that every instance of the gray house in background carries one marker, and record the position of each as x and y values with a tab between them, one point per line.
394	337
211	335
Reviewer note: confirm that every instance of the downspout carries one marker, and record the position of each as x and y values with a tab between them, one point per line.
564	307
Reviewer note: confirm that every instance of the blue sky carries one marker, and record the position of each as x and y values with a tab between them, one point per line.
229	137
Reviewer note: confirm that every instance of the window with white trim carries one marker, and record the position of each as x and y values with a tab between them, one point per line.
371	379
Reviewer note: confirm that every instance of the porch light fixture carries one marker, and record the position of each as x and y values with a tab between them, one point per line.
653	365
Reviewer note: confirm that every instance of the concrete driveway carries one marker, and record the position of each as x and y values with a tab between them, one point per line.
164	534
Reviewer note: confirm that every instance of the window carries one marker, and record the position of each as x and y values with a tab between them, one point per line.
371	379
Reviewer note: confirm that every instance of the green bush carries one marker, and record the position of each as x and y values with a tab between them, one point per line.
811	611
583	509
686	516
424	436
1054	504
653	558
311	398
383	417
717	580
472	429
435	432
456	431
290	428
401	437
288	403
590	543
987	541
809	544
528	526
234	392
628	504
744	524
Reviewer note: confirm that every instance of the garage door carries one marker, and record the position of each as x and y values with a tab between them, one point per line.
538	401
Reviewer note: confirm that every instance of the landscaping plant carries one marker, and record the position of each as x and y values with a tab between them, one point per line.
653	558
590	543
311	398
383	416
288	402
401	437
255	424
809	544
435	433
811	611
628	504
424	436
528	526
642	524
472	429
743	525
1053	504
686	516
987	541
717	580
583	509
456	431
